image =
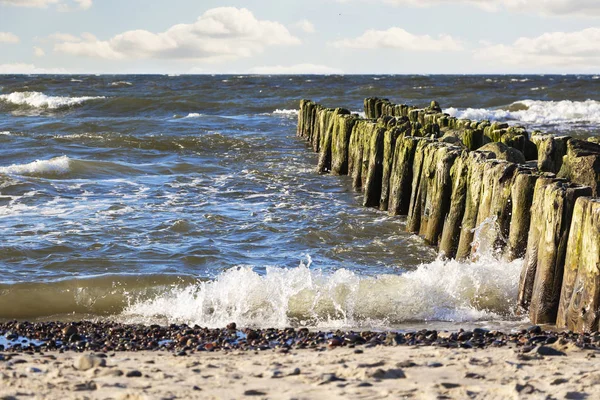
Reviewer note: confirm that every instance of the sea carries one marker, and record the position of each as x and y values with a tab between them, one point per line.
190	199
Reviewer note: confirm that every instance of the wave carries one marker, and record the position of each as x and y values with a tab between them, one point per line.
40	100
68	168
52	167
284	112
536	112
121	84
193	115
439	291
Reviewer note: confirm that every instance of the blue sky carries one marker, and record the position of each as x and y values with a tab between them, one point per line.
309	36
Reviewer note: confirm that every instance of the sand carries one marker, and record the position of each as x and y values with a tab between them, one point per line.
339	373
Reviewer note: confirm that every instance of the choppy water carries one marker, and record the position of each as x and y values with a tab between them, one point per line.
189	199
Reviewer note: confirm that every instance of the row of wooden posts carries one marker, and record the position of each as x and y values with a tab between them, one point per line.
529	196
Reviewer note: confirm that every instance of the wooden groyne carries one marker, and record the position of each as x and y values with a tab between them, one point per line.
464	184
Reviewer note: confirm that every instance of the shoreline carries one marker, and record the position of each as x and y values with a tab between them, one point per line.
336	373
178	361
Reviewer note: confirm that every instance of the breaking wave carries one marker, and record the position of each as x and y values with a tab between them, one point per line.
438	291
53	166
536	112
40	100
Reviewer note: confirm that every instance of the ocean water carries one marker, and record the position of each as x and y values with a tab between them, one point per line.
189	199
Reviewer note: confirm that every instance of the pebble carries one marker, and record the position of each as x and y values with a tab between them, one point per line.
252	392
395	373
133	374
448	385
110	337
89	361
549	351
327	378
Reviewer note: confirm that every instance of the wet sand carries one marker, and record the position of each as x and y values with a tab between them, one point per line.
420	372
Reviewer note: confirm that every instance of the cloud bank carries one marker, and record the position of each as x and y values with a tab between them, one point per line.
223	33
7	37
398	38
579	49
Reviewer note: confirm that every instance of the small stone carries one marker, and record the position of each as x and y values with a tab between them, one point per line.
364	384
525	389
196	388
86	386
69	330
296	371
535	329
388	374
354	338
480	331
448	385
335	342
464	336
252	392
327	378
33	370
406	364
433	364
473	375
559	381
232	326
549	351
576	396
251	335
276	374
133	374
89	361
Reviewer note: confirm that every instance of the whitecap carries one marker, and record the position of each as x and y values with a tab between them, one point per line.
57	165
40	100
286	112
194	115
121	84
536	112
439	291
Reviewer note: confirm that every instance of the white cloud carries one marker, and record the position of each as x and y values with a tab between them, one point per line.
306	26
398	38
38	51
7	37
544	7
561	50
296	70
223	33
62	6
22	68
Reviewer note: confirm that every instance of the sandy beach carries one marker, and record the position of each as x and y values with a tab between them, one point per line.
325	373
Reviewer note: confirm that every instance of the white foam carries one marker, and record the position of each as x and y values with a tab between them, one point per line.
121	84
194	115
286	112
5	133
76	80
40	100
536	112
438	291
57	165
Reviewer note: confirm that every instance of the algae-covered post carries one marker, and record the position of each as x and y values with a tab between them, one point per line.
448	192
579	308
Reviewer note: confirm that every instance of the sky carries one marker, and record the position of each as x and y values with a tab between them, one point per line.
295	37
